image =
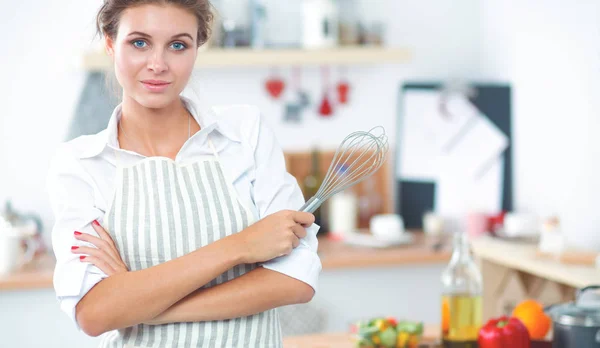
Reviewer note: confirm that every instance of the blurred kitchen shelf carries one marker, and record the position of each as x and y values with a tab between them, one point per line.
244	57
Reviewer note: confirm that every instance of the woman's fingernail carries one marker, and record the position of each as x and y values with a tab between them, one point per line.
81	257
95	222
77	233
74	247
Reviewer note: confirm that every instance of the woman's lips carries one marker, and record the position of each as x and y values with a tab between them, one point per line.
153	86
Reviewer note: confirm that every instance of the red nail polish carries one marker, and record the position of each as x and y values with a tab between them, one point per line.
74	247
77	233
95	222
81	257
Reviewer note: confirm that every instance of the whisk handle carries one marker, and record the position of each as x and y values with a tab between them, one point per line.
311	205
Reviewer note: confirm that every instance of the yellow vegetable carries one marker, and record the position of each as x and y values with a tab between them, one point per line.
402	339
376	340
381	324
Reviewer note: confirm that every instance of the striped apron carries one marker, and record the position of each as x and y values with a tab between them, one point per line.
162	210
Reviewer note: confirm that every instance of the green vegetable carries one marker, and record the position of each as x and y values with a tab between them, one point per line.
367	331
369	335
388	337
364	343
410	327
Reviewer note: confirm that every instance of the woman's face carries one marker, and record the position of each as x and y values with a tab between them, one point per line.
154	53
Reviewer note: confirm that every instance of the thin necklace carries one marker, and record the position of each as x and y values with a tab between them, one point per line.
189	128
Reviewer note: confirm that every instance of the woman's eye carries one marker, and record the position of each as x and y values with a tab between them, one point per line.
139	43
179	46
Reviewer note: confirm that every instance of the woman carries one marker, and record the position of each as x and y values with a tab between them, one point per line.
175	226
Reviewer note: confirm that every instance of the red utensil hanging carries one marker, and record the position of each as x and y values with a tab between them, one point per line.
325	108
274	85
343	88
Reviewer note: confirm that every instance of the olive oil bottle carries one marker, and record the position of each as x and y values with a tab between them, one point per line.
461	298
311	185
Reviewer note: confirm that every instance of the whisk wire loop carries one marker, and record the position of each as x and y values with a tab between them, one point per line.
358	157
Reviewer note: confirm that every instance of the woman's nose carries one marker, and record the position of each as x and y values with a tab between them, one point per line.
157	62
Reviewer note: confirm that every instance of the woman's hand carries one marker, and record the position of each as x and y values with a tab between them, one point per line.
275	235
106	257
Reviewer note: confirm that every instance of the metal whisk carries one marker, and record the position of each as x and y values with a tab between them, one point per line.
345	171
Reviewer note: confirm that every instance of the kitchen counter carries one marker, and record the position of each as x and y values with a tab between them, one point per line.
336	254
35	275
333	254
514	271
344	340
523	257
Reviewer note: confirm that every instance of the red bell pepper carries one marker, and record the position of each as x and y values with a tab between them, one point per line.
392	321
504	332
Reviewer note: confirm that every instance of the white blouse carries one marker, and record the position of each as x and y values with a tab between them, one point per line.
82	175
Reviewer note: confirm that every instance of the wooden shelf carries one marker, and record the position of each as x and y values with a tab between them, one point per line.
245	57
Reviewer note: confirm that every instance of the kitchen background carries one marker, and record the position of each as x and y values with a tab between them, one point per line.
548	51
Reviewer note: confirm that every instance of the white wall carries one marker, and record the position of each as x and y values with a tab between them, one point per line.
550	51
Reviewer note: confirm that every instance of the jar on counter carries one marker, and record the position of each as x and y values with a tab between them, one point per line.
343	210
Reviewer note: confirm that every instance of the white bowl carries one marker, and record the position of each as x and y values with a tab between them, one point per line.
387	227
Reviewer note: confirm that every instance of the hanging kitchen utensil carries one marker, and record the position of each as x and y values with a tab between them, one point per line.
275	85
303	99
293	112
343	87
299	99
325	108
301	95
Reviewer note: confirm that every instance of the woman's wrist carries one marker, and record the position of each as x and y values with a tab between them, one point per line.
236	248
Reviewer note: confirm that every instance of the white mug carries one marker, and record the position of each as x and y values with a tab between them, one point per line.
521	225
387	227
433	224
12	255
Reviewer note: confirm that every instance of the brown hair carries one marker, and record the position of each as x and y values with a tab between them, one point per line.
109	15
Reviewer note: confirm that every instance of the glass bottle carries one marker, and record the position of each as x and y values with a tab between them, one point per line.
369	203
311	185
461	297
